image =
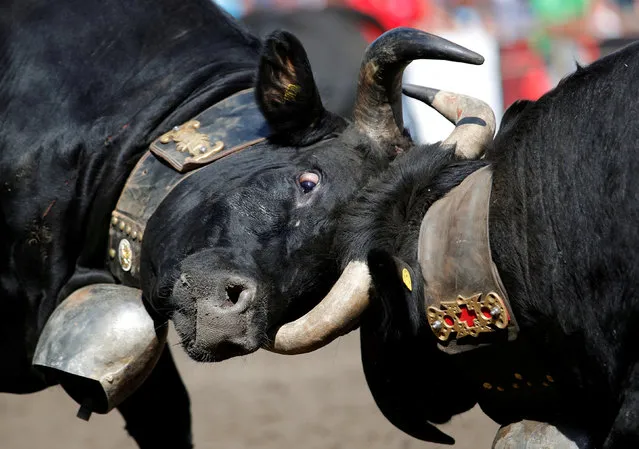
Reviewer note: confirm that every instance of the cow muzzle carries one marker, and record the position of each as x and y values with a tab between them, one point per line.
100	344
216	314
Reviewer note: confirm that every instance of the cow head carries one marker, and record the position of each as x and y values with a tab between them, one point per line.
244	245
377	240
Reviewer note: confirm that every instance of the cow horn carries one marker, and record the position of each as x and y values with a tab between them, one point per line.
336	315
474	120
378	108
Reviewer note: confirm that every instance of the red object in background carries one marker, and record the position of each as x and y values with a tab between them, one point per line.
390	13
524	74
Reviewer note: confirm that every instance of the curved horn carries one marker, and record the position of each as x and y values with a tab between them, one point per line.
378	109
474	120
334	316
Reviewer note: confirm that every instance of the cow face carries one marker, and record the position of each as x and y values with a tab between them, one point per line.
243	244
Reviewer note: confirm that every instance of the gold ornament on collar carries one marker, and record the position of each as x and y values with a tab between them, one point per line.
468	316
187	138
125	255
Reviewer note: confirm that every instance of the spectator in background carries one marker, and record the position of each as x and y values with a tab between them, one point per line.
626	5
393	13
512	20
569	30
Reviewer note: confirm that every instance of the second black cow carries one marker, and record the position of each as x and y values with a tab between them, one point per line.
510	281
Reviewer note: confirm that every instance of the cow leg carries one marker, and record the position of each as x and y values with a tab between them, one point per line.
158	414
625	429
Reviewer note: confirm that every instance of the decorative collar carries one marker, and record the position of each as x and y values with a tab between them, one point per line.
466	304
227	127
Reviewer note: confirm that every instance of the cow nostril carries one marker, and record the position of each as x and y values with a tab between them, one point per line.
184	280
233	294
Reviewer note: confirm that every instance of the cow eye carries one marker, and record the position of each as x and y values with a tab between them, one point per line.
308	181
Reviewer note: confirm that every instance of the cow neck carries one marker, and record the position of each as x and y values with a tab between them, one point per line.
466	304
227	127
463	291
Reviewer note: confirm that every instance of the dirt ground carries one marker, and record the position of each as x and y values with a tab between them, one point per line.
262	401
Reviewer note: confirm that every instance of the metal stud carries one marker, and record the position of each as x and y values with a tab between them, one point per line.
176	128
112	253
529	384
495	311
487	386
202	149
515	385
114	221
549	377
500	388
122	226
437	325
128	229
134	235
518	376
545	384
125	255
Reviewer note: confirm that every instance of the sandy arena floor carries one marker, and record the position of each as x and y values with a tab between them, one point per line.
262	401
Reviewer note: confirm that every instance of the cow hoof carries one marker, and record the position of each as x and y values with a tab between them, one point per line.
537	435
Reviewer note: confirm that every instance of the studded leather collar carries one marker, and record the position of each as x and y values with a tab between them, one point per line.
225	128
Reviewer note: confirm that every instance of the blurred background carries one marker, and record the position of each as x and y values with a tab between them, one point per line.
529	45
320	400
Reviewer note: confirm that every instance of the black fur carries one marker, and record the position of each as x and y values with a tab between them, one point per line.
85	86
334	41
563	213
288	95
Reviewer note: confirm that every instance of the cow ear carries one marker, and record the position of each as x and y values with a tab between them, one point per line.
286	91
394	373
396	289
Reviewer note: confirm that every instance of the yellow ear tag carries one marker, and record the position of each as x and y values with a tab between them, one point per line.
407	280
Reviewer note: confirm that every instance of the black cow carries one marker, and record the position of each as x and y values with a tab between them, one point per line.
233	250
334	38
561	218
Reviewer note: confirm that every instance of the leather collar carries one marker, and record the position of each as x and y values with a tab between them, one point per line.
466	304
227	127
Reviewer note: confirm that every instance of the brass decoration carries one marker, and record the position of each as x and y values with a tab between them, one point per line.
187	138
202	156
468	316
548	380
125	255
